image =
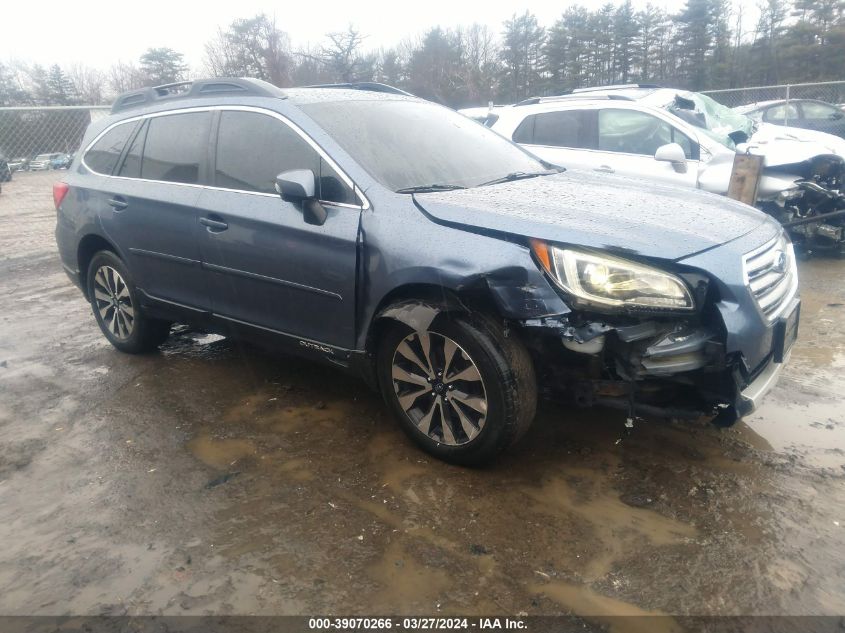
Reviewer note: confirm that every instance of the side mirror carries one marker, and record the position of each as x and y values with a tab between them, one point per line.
672	153
300	186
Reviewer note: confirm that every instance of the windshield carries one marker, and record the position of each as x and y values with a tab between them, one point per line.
717	121
408	144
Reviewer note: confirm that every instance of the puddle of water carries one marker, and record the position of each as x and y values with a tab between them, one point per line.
297	417
294	469
585	602
806	414
616	525
220	453
396	471
402	580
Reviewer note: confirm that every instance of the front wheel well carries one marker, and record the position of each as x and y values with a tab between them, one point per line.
442	299
88	247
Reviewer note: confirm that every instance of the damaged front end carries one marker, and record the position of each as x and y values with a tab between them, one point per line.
812	208
673	362
665	368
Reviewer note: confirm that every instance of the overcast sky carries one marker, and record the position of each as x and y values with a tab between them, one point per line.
101	32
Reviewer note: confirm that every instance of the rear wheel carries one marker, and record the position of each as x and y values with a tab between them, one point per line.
460	389
114	301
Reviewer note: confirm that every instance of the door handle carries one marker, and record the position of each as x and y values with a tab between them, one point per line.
605	169
214	226
118	203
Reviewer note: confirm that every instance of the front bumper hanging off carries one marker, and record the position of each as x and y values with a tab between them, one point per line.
661	369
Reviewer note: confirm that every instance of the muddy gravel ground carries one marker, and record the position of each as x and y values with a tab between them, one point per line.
212	478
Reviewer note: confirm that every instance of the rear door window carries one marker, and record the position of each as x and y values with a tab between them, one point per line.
175	147
104	154
566	128
254	148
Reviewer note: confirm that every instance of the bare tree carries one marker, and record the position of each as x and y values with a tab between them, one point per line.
124	76
479	66
343	58
90	83
309	68
12	89
253	47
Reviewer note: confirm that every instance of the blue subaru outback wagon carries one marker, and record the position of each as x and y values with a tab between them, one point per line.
394	238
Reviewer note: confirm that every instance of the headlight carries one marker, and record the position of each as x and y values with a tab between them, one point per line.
611	282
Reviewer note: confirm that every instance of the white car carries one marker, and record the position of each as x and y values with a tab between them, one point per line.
685	139
43	162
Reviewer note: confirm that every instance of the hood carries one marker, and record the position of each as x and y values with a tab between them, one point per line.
787	145
600	211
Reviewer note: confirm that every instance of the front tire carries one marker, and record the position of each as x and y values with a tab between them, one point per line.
117	309
461	389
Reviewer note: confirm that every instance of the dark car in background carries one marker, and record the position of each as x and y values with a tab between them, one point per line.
5	170
808	114
394	238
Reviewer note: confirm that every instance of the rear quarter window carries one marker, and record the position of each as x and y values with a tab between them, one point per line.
131	167
104	154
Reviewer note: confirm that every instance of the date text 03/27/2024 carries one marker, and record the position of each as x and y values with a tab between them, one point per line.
415	624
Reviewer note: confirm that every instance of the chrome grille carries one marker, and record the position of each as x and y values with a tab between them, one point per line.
772	276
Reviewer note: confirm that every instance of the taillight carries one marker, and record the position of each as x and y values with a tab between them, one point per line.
60	190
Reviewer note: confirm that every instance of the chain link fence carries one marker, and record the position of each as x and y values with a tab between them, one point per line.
829	91
42	138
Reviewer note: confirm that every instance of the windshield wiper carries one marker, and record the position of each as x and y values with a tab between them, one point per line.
518	175
429	188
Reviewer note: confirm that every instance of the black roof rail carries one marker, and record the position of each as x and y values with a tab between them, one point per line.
195	89
371	86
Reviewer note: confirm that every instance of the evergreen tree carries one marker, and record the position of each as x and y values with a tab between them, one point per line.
60	89
521	54
434	69
625	31
163	66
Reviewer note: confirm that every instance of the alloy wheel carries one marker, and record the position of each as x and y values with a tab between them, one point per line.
439	387
113	302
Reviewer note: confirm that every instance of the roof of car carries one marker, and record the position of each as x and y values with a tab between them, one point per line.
320	94
627	92
248	87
